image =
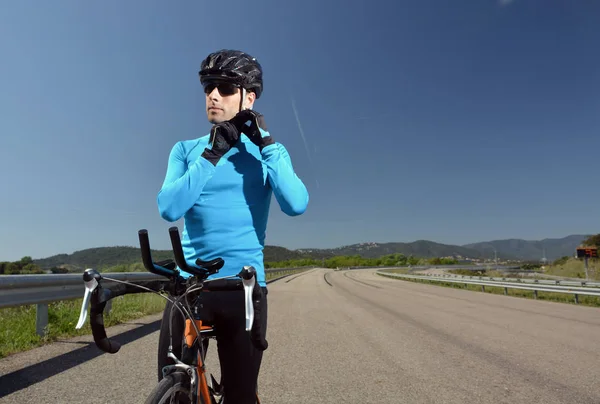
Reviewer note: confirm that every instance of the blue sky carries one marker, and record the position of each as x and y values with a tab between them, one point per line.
456	121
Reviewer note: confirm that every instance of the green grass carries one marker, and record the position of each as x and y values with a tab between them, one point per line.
575	268
17	324
528	294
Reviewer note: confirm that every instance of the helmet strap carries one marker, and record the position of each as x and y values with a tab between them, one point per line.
242	99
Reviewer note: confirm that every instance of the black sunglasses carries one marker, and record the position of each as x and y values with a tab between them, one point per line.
225	89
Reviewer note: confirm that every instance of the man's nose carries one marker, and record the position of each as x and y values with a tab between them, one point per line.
214	94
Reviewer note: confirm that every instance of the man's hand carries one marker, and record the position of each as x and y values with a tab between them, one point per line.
257	131
222	138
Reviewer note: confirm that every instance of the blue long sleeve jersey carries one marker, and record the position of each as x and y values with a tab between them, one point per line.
226	207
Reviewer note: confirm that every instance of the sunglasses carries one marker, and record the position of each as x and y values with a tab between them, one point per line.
225	89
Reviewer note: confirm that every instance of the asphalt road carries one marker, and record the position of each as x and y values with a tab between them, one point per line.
355	337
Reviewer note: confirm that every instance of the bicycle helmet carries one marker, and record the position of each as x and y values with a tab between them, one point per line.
232	66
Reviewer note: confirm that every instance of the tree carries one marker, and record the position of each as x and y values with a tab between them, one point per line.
11	269
592	241
31	269
57	270
412	260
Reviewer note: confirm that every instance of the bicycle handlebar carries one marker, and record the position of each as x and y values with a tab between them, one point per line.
99	296
147	257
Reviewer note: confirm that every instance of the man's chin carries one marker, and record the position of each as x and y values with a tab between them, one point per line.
214	118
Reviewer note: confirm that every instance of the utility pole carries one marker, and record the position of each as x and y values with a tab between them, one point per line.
544	259
496	258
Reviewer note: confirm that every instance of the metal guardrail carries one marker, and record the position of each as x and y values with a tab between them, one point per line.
561	282
21	290
451	267
576	291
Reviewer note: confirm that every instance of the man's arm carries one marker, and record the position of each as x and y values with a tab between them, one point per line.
289	190
182	185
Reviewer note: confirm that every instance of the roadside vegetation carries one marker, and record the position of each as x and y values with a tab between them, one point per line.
570	267
17	324
565	267
345	261
27	266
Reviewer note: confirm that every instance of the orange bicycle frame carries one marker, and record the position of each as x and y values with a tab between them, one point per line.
190	336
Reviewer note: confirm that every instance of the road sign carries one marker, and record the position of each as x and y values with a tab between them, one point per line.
587	252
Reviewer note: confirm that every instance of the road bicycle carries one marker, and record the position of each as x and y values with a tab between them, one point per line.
186	380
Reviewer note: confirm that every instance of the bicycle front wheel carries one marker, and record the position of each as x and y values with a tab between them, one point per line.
172	389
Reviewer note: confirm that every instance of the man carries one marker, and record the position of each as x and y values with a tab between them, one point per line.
221	184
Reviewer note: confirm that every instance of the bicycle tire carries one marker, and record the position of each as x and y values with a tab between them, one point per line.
177	384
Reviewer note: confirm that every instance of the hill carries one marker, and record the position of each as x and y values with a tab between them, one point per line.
533	250
419	248
509	249
104	257
99	258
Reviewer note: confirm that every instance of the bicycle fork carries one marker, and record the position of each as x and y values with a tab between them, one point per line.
198	381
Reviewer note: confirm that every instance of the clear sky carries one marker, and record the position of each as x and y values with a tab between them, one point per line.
454	121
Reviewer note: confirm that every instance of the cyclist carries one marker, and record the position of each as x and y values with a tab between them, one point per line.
222	184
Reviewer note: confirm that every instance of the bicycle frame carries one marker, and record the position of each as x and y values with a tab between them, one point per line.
195	332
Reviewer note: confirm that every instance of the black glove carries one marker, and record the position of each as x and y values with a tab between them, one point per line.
257	131
222	138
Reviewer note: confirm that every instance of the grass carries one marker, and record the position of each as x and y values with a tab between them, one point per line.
571	268
17	324
528	294
575	268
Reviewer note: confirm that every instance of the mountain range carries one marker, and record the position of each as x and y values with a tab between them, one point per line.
508	249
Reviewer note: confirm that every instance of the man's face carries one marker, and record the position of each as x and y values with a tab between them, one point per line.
222	102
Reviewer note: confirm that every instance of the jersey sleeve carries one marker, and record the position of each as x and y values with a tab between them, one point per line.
183	184
290	192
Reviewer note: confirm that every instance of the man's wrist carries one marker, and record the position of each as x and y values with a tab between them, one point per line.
266	141
211	156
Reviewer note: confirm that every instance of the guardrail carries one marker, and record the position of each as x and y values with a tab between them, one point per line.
561	282
477	267
20	290
576	291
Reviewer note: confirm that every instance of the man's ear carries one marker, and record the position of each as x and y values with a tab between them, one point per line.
249	100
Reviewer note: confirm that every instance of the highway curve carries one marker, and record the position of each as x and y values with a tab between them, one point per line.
355	337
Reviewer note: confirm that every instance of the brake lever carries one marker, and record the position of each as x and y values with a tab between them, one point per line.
249	280
90	286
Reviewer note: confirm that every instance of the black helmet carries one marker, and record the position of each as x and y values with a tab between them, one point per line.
232	66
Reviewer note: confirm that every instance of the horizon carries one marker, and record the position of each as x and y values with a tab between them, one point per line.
320	248
412	120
